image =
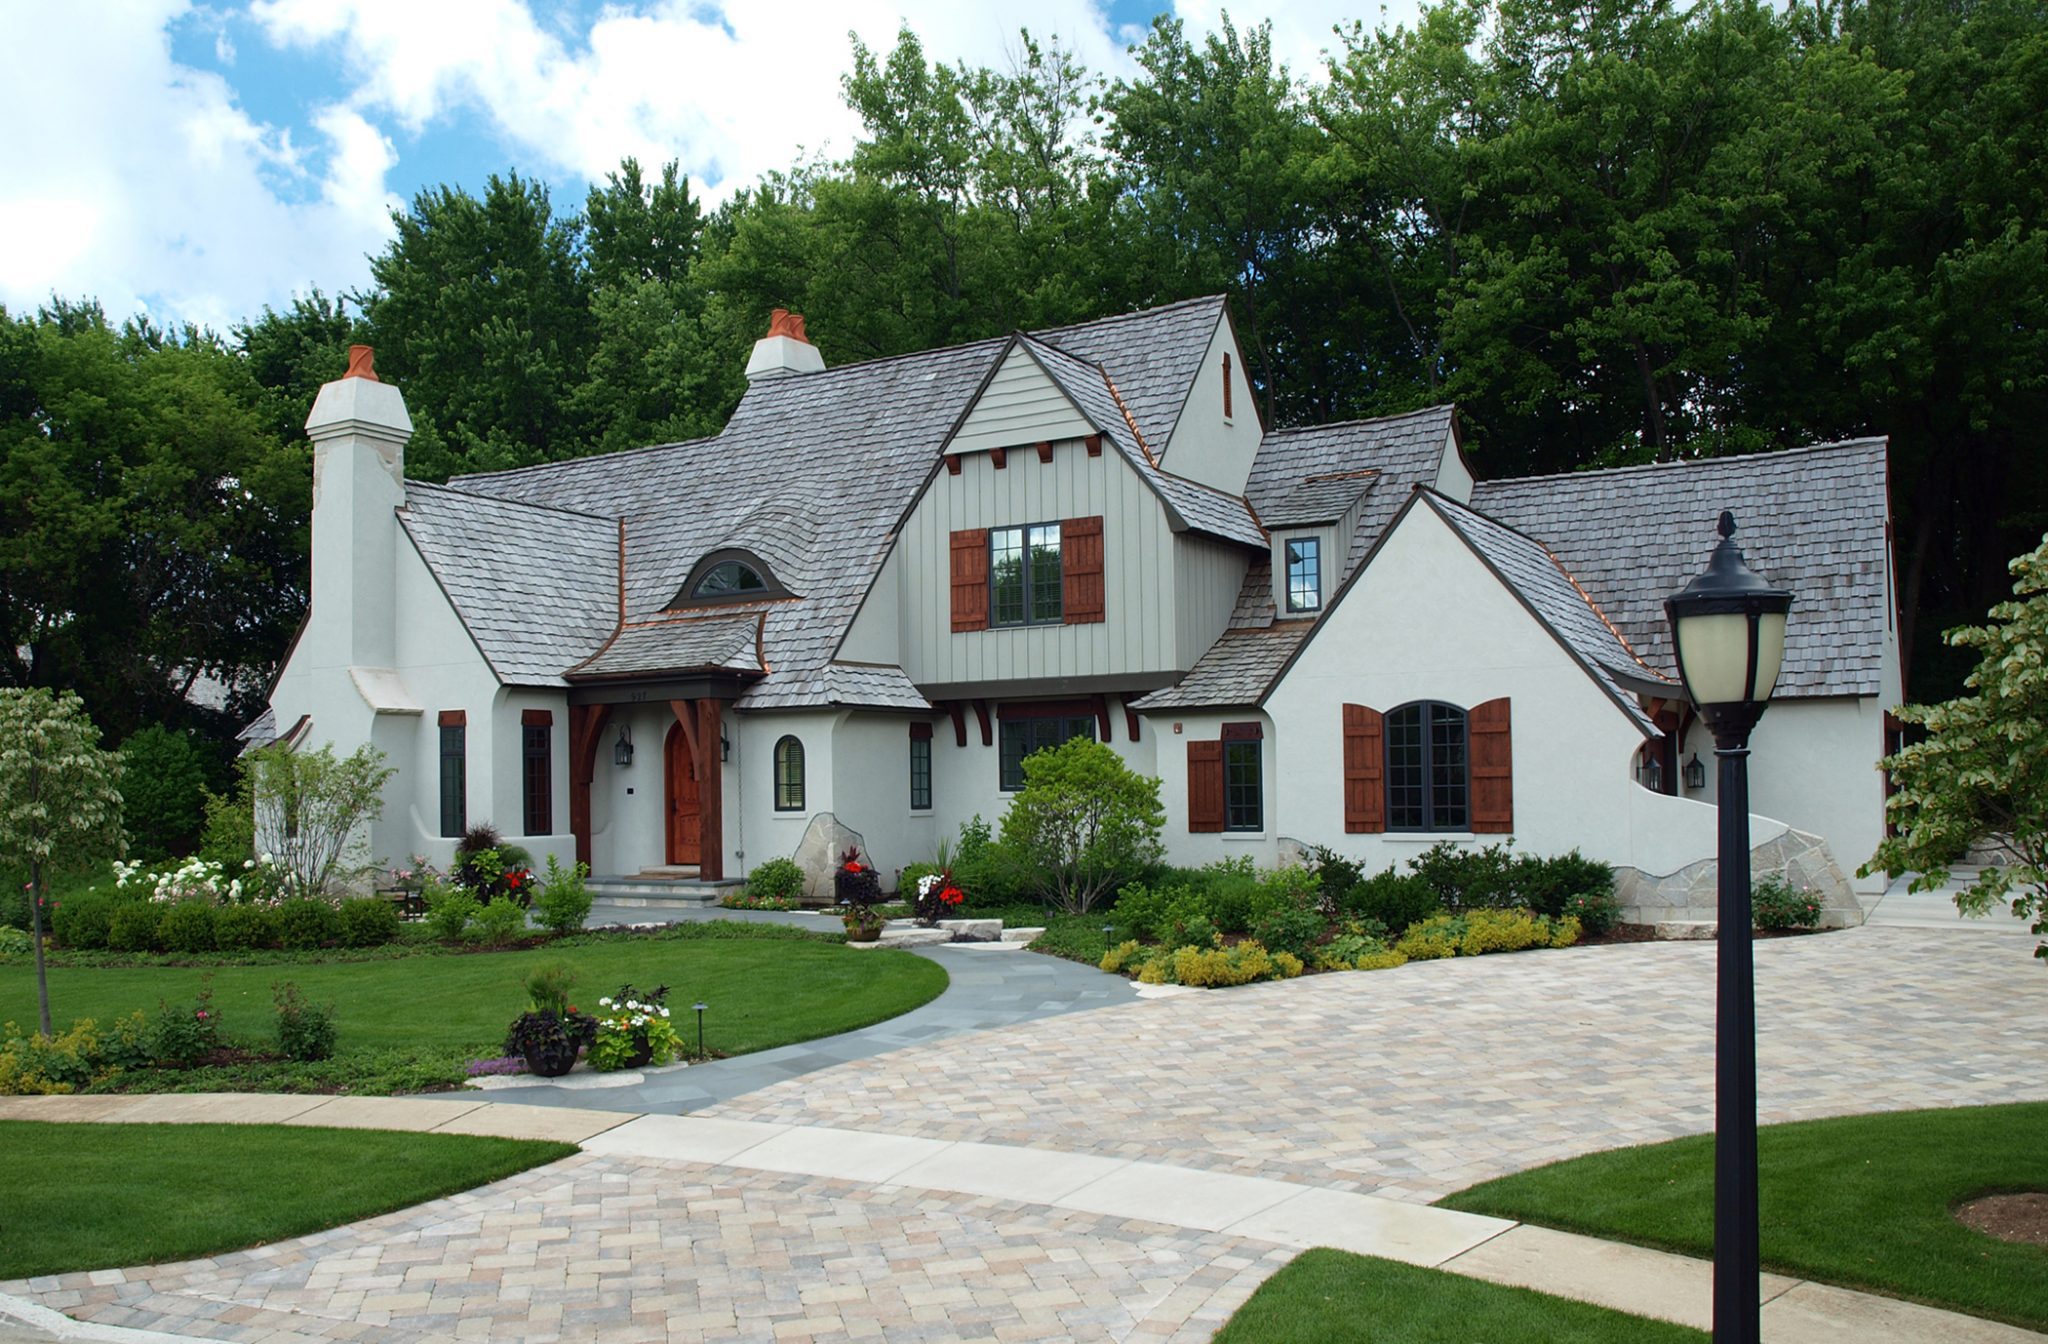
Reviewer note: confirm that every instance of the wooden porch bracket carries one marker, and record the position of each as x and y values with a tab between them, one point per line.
1130	717
988	736
1102	716
586	735
959	713
686	715
710	792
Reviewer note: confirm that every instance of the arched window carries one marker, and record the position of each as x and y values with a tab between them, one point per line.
729	575
789	775
1429	770
729	578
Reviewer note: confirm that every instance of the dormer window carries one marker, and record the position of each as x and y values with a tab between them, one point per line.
1304	574
728	576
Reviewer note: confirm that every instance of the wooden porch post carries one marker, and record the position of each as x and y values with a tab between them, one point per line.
586	732
710	793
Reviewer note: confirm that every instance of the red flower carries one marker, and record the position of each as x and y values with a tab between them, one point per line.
512	880
855	868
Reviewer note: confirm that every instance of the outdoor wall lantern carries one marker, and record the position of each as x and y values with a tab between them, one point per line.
724	744
622	750
1650	774
1695	774
1728	627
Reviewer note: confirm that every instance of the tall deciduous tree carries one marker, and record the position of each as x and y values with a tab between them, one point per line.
1982	770
60	800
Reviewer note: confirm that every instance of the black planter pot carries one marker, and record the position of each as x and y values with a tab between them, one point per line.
643	1052
551	1060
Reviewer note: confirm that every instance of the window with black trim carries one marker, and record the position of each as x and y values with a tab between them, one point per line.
1021	736
729	578
1304	574
789	775
454	779
1429	774
1244	803
537	772
921	770
728	575
1025	586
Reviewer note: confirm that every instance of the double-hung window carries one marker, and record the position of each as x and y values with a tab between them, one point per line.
454	773
1025	732
1305	574
1024	575
537	752
1428	768
1243	786
920	767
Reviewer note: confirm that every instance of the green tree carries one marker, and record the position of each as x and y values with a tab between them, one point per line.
311	808
60	800
481	312
1085	821
1982	769
163	791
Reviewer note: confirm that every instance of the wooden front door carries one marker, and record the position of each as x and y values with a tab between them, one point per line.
684	810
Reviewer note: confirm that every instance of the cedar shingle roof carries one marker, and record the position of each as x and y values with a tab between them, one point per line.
726	643
810	474
1811	519
536	586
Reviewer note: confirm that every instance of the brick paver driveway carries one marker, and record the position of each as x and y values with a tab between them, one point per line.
1409	1083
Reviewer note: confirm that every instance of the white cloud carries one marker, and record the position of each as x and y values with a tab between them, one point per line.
145	185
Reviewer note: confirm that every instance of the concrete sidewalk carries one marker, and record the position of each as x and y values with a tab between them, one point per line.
1251	1225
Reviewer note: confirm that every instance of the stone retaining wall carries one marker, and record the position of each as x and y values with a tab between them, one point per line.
1800	857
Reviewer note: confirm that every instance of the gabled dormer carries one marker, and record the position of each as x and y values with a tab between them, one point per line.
1216	438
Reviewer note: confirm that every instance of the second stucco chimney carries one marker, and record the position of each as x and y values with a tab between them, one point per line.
784	350
359	428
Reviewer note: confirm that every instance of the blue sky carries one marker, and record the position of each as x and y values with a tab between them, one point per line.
197	161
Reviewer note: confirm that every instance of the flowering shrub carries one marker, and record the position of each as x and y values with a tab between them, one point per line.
858	890
185	1034
305	1031
260	882
775	880
938	897
1777	904
494	1068
747	900
633	1023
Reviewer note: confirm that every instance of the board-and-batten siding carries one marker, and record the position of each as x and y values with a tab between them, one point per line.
1138	634
1210	575
1021	407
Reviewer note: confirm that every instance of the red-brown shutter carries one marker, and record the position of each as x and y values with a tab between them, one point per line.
1205	786
1081	564
1365	783
970	579
1493	775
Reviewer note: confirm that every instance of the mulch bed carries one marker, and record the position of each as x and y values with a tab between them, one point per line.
2019	1218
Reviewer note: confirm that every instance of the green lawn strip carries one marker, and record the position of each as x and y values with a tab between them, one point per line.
761	992
1335	1297
1863	1201
86	1196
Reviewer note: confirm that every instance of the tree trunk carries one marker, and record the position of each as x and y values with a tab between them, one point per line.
35	912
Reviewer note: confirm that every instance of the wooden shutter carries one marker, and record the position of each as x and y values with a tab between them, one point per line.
1081	564
1493	776
1365	771
970	579
1205	786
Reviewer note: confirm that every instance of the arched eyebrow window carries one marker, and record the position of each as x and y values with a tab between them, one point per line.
728	576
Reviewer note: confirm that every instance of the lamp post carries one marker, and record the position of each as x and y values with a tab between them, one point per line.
1728	628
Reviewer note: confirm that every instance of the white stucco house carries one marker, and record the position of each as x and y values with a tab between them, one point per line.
860	605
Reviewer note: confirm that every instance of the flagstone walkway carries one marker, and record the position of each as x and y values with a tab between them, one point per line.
1131	1173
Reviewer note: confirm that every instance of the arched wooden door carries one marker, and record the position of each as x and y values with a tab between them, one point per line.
684	809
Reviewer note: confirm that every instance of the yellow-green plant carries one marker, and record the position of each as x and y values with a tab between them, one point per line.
34	1065
1477	932
1380	961
1129	954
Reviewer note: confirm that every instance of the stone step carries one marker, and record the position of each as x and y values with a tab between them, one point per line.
1686	930
1020	935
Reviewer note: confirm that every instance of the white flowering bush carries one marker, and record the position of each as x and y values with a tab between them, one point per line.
260	882
633	1030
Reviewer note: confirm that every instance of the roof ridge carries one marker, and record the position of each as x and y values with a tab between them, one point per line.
505	500
1640	468
1199	300
612	456
1444	408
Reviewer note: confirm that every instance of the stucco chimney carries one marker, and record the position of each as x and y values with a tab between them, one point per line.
784	350
359	428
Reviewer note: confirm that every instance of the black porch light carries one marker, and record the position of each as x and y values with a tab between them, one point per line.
1728	628
1650	774
622	750
1695	774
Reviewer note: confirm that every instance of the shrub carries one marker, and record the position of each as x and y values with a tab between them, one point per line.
1129	954
304	925
547	990
1467	879
132	926
1477	932
32	1065
499	922
989	871
565	898
1237	965
1084	823
1395	900
1380	961
449	911
187	927
746	900
305	1031
1548	886
490	866
1338	876
83	922
14	943
1596	911
184	1034
1142	910
229	836
1776	904
1294	931
367	922
781	879
241	928
308	805
163	782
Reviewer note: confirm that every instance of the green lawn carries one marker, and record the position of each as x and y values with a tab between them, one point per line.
1863	1202
83	1196
1334	1297
761	992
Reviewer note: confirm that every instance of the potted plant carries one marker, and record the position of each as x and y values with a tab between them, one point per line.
857	888
633	1030
938	897
551	1033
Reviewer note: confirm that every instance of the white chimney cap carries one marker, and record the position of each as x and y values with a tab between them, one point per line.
784	350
